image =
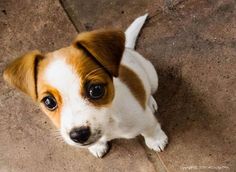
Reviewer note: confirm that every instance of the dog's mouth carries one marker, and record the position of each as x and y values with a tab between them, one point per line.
88	144
92	140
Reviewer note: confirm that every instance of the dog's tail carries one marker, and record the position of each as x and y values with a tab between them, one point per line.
132	32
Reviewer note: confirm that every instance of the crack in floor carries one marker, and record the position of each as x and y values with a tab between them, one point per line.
79	27
153	157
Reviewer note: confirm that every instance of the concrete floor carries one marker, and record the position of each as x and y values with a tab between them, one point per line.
193	46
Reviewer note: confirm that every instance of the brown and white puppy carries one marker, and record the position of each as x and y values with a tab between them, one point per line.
95	90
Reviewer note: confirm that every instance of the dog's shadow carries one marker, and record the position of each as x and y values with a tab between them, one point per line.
185	116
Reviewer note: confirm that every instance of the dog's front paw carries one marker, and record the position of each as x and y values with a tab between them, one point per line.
157	143
99	149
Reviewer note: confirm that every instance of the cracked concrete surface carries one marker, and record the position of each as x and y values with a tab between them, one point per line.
193	46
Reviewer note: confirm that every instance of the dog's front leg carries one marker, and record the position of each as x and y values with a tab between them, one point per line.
99	149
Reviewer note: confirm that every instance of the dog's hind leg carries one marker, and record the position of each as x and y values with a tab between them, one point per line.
152	104
155	138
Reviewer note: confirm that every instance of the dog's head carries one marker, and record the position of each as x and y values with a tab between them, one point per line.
74	85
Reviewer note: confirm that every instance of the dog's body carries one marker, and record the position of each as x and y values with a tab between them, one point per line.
96	90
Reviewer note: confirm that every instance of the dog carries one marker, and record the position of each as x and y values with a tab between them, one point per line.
95	90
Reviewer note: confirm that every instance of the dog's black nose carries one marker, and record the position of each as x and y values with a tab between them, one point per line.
80	135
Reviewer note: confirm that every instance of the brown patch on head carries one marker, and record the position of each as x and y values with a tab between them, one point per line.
102	51
90	72
134	83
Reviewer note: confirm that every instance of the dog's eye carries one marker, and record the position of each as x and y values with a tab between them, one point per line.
50	102
95	91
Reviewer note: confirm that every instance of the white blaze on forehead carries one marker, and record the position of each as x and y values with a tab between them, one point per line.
62	77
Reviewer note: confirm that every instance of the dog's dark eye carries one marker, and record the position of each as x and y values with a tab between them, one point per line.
95	91
50	102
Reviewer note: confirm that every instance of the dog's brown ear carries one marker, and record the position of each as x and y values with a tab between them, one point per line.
106	46
22	73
